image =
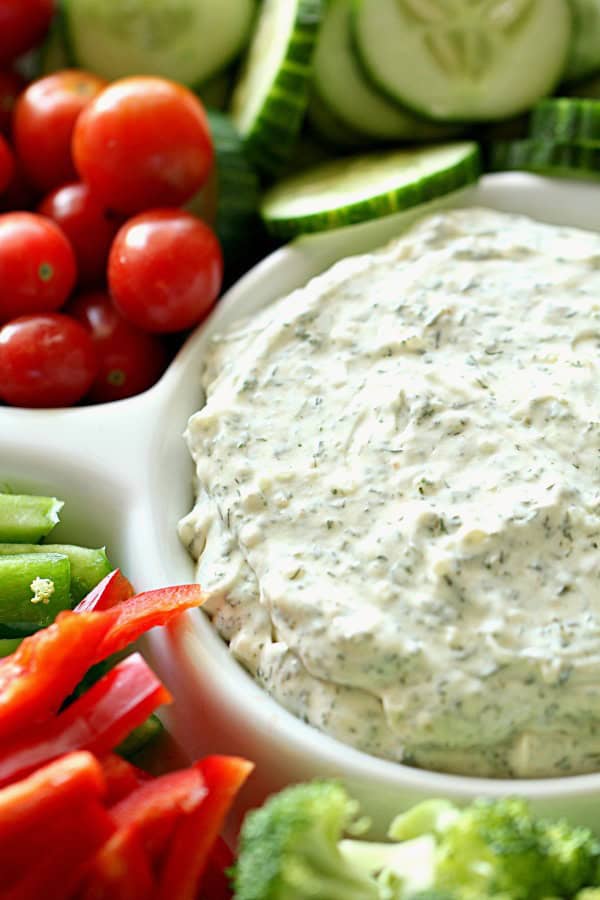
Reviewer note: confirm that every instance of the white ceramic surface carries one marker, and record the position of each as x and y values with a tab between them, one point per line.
125	474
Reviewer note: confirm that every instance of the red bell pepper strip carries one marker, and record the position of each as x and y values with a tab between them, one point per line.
112	590
97	721
144	611
196	833
55	872
122	777
46	667
215	881
120	870
156	806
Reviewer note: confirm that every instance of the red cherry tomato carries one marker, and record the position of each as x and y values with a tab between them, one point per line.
144	142
7	165
45	360
37	265
11	85
165	270
129	360
43	122
23	24
89	227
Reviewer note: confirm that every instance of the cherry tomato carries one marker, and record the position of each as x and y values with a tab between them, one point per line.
144	142
37	265
11	85
165	270
23	24
129	360
7	165
45	360
43	121
89	227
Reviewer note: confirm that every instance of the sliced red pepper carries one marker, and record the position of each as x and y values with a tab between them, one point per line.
34	803
122	777
112	590
97	721
156	806
54	872
144	611
195	833
215	881
120	870
46	667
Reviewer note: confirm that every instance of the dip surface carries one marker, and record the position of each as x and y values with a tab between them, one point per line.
398	497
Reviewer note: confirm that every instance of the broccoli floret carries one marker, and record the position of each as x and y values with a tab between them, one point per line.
498	848
289	848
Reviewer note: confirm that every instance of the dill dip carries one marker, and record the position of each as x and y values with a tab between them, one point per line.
398	497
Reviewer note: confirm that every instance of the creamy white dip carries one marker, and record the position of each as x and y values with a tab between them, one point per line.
398	497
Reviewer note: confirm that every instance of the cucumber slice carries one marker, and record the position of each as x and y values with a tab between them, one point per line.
339	81
563	120
546	158
584	57
359	188
464	60
270	99
184	40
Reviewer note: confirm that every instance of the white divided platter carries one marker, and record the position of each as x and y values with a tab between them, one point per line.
125	474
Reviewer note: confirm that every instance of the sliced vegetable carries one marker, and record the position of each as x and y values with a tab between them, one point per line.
340	83
88	566
196	833
359	188
546	158
215	881
24	517
47	666
113	589
34	588
463	67
270	100
330	129
121	777
141	736
584	55
120	870
564	120
97	721
187	41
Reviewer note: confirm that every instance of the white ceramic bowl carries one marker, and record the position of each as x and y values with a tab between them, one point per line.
125	473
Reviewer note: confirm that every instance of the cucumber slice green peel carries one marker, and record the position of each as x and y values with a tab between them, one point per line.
584	57
459	60
360	188
343	88
581	161
184	40
564	120
270	99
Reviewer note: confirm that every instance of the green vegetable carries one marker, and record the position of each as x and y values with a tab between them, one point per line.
8	646
270	99
584	56
25	518
566	120
292	849
355	189
546	158
140	737
184	40
34	588
88	566
289	848
463	61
